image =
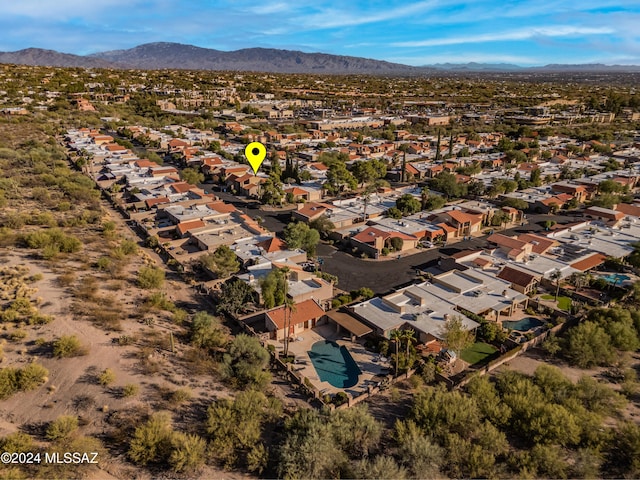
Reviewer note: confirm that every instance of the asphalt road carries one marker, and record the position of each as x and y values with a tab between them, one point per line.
382	276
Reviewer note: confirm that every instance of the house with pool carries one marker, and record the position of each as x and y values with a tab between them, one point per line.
303	316
425	307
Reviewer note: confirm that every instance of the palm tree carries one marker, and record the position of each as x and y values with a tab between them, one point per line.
396	336
288	308
555	276
407	336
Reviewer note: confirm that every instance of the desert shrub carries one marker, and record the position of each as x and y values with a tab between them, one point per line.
13	380
130	390
17	442
68	346
188	452
180	396
151	441
62	427
31	376
17	335
104	263
128	247
107	377
66	279
150	277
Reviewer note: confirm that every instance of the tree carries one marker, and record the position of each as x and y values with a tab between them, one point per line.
609	186
433	202
447	184
556	275
272	288
299	235
368	171
271	191
516	203
222	262
408	204
396	336
192	176
323	225
244	364
339	179
500	218
455	335
288	308
150	277
535	177
588	345
234	295
207	332
234	425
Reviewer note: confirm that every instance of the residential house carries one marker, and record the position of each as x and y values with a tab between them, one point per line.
373	241
521	281
607	215
283	321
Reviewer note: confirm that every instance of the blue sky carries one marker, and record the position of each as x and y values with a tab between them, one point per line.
524	32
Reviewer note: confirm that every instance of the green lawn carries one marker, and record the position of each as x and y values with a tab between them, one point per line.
564	303
477	352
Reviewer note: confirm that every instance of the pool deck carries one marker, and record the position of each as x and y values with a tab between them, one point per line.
363	358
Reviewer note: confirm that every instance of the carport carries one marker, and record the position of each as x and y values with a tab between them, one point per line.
343	320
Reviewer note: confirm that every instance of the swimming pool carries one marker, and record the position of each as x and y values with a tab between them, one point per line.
334	364
523	325
616	278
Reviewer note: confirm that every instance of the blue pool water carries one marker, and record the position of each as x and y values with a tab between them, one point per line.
616	278
523	325
334	364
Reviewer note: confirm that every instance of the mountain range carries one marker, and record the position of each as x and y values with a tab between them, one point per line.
163	55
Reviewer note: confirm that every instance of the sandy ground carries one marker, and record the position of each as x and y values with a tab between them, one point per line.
71	379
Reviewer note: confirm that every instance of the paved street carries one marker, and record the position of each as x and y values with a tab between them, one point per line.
381	276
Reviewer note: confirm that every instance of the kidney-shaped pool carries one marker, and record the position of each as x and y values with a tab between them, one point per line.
334	364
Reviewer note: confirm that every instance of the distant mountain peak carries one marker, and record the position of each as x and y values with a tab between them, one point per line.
170	55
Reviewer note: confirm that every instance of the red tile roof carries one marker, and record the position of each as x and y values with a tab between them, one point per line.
300	313
311	209
516	277
156	201
296	191
540	244
144	163
627	209
181	187
273	244
463	217
221	207
447	228
184	227
504	241
369	234
589	262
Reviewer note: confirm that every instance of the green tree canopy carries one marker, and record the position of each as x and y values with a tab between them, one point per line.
222	262
299	235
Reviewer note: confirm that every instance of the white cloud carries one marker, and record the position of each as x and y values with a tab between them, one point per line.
522	34
333	18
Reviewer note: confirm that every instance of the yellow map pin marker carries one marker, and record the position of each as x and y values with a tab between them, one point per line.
255	153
